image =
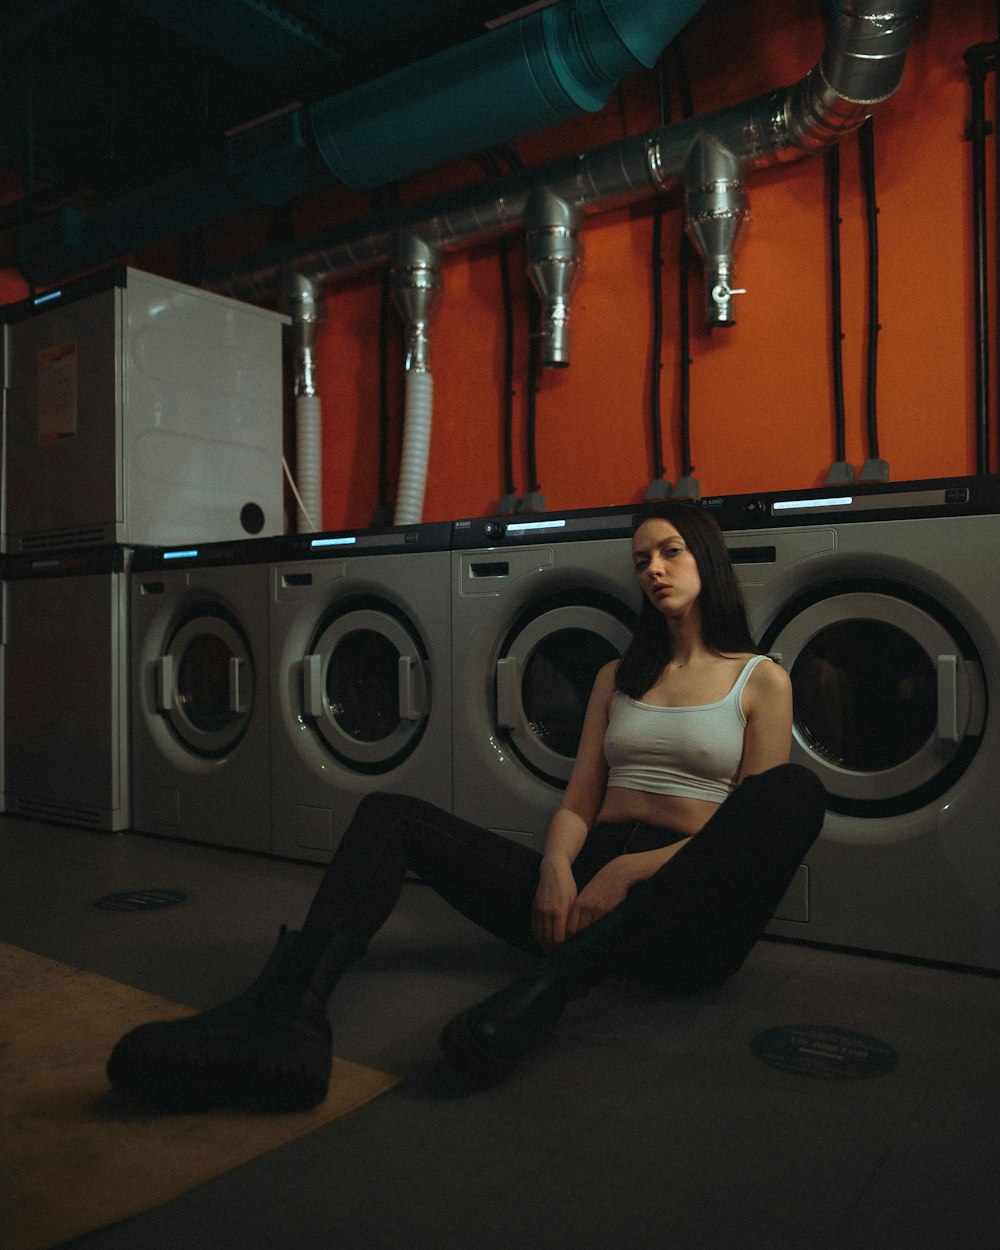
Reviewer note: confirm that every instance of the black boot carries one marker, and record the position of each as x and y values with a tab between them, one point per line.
269	1048
485	1042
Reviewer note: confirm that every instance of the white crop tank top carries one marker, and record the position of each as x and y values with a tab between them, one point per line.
693	752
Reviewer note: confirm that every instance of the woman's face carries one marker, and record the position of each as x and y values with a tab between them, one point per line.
666	569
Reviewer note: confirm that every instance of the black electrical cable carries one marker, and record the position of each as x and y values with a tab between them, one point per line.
384	330
389	199
491	167
996	230
656	281
866	141
836	305
979	59
684	403
531	407
684	283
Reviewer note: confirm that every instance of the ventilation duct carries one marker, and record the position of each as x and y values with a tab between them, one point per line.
554	255
716	210
861	65
523	76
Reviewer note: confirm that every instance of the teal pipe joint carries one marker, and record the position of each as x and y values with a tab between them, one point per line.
521	77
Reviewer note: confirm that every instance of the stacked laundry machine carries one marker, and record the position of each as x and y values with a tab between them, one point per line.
361	680
539	605
883	603
139	411
200	699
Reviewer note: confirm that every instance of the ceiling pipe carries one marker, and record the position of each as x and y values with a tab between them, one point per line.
554	257
526	75
861	65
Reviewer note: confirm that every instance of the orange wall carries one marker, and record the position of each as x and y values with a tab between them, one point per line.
761	391
761	405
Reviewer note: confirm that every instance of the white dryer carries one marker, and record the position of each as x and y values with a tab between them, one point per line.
360	678
539	605
883	602
200	702
66	687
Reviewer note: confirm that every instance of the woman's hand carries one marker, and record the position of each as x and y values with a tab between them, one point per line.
554	900
605	890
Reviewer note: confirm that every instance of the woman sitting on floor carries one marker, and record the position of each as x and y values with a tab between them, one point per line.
680	829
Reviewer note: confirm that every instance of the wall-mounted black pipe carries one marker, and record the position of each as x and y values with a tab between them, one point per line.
492	167
874	468
980	60
659	486
840	471
685	481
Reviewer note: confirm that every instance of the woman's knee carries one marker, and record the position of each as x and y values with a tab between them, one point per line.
791	784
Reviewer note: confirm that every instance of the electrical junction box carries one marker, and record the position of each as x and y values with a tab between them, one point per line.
142	411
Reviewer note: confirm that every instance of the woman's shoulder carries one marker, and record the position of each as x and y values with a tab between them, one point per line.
767	679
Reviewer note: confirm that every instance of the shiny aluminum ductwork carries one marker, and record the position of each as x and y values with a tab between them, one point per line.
416	285
716	210
555	256
861	65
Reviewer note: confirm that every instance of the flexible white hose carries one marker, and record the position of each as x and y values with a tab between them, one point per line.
416	448
308	463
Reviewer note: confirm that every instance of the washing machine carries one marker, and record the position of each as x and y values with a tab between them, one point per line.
66	687
201	698
883	603
360	678
538	606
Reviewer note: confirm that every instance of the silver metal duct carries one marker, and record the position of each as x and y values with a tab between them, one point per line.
555	256
716	210
861	65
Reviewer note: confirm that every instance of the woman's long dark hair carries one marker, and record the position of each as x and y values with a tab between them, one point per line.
724	625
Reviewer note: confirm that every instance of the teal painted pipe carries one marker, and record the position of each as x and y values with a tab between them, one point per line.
543	69
521	77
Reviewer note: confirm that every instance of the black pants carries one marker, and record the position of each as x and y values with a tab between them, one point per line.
692	923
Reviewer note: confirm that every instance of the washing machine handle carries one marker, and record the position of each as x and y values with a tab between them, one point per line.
238	702
312	686
163	673
411	691
960	698
510	713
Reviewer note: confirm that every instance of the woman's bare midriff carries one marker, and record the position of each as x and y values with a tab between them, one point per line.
666	811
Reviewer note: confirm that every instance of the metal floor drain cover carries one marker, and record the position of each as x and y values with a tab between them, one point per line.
827	1053
140	900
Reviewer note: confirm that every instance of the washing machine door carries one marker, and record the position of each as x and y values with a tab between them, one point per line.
204	684
366	688
888	693
544	676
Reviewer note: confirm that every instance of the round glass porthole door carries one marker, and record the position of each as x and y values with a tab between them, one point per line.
366	689
543	682
888	704
205	685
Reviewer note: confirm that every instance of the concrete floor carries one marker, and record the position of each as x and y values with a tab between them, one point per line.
643	1123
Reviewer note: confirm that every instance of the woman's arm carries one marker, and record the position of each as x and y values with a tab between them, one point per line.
767	701
576	813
